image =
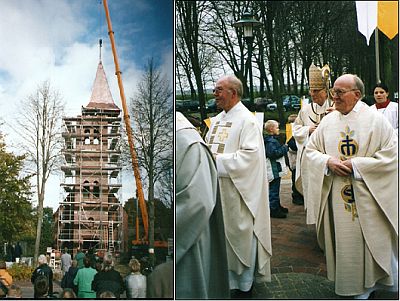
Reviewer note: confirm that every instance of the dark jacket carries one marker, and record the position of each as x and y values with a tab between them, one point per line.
108	281
292	144
274	151
43	269
68	279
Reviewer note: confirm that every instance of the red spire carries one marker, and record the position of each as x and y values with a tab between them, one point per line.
101	96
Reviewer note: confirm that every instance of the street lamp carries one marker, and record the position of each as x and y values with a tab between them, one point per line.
248	23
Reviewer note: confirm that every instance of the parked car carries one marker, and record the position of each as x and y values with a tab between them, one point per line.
291	102
247	103
187	105
272	106
211	105
261	103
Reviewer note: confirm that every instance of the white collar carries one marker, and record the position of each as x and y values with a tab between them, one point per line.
358	106
235	108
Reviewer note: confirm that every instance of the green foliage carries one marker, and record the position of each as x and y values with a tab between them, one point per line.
20	272
14	197
47	230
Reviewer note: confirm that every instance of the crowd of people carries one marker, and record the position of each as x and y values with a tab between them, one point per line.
84	277
343	155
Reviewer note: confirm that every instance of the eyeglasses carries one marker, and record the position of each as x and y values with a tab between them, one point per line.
315	91
340	93
219	90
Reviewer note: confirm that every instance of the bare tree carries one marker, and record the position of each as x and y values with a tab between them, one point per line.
153	130
39	125
190	54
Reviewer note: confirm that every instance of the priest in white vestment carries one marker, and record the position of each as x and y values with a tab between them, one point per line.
236	141
387	108
201	262
352	189
310	116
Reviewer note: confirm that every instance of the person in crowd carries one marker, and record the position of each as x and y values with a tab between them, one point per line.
6	279
107	295
18	252
276	167
383	105
41	288
10	253
201	262
160	284
310	116
83	280
68	278
108	279
98	267
92	257
351	192
235	139
5	276
135	282
14	292
66	261
67	293
79	257
42	270
297	197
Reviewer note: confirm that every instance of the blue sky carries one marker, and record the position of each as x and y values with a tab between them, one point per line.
57	40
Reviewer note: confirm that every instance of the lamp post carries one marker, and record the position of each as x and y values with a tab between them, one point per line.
248	23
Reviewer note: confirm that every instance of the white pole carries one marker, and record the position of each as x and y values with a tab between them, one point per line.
378	78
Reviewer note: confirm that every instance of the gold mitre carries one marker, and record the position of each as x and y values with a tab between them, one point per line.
318	77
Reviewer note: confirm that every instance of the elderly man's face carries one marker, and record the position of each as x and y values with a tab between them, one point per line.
345	94
225	96
318	96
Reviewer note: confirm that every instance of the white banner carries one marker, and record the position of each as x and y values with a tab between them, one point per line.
367	17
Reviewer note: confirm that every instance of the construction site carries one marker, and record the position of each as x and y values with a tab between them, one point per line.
90	214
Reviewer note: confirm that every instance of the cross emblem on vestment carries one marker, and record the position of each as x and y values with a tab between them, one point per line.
223	135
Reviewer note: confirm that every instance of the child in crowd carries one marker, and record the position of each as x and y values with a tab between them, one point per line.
297	197
276	167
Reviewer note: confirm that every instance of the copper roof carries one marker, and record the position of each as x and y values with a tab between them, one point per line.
101	96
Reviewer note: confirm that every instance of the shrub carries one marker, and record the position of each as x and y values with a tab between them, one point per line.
20	271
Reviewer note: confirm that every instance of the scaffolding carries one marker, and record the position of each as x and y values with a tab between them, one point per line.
90	213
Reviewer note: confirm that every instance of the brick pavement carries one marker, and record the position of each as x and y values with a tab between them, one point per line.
298	264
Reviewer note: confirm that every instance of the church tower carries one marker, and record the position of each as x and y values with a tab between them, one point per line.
90	215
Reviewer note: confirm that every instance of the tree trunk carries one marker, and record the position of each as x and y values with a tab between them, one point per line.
39	224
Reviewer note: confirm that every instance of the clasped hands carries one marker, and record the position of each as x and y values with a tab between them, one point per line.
339	167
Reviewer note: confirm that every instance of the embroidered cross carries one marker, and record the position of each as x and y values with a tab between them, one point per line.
223	135
347	146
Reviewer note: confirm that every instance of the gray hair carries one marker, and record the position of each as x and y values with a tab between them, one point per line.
235	84
108	262
42	259
359	85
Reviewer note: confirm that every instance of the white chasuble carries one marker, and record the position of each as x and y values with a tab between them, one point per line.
236	140
356	219
201	268
309	115
391	112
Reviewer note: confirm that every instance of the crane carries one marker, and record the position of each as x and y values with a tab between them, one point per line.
135	165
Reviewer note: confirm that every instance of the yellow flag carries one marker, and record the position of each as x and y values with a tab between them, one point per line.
388	17
207	122
288	131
